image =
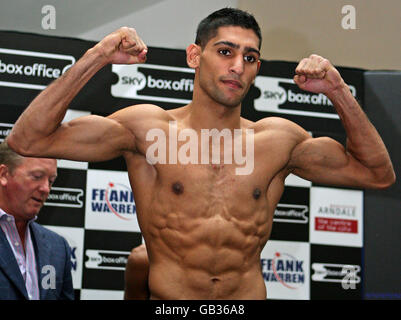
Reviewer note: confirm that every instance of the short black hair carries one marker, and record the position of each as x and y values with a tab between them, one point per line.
207	28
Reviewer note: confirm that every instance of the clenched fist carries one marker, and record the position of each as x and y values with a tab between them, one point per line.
316	74
123	46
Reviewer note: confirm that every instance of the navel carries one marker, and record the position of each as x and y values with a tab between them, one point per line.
177	187
256	193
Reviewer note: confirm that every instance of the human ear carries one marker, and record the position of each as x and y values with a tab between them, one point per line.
3	175
193	55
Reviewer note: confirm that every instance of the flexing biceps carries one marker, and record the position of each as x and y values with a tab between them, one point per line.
326	161
90	138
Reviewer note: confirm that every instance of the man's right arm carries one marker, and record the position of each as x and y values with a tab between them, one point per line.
39	132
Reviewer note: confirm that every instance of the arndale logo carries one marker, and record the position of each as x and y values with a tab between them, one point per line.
116	199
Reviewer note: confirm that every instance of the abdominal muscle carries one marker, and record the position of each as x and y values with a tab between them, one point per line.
207	258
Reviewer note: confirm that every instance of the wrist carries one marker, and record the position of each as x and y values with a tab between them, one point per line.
341	88
98	55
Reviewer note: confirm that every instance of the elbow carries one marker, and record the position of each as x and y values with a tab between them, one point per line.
391	180
14	144
387	181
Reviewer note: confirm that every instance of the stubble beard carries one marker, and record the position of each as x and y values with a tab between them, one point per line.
222	98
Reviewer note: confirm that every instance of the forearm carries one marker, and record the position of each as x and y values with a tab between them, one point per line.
363	141
45	113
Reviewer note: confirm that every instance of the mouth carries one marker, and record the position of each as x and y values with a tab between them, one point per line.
234	84
37	200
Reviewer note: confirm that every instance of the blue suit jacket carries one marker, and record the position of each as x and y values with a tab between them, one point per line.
50	249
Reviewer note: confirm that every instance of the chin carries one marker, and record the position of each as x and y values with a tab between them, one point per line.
229	102
30	214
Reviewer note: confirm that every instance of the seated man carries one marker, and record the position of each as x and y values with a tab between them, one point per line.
35	263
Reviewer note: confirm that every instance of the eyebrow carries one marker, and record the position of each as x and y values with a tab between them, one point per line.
237	46
34	170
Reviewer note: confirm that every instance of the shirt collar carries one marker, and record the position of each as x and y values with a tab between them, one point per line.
4	214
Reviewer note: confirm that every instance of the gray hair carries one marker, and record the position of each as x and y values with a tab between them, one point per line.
9	157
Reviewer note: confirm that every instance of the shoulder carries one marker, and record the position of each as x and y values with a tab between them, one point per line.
281	127
142	111
55	237
275	123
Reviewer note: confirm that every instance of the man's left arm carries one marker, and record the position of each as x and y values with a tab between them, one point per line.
365	161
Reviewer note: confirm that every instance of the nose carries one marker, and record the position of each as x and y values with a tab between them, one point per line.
45	187
237	65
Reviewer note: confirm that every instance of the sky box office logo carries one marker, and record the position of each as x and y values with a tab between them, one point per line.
153	82
107	260
336	273
65	197
291	213
5	129
31	69
280	95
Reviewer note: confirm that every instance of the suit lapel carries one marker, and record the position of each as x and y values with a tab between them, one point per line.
42	252
9	264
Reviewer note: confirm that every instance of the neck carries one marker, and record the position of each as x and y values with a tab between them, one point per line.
20	224
206	113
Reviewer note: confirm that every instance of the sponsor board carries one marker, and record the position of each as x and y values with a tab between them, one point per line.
75	239
31	69
105	259
285	269
295	181
65	197
346	274
5	129
153	82
110	203
291	213
282	95
336	216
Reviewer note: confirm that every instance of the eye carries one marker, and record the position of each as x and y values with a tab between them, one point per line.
224	52
250	59
36	176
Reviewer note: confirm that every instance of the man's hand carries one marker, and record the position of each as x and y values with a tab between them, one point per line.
317	75
123	46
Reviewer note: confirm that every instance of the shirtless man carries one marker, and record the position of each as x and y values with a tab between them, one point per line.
203	224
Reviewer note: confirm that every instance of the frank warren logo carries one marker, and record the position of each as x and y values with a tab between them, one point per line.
153	82
280	95
31	69
116	199
285	269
